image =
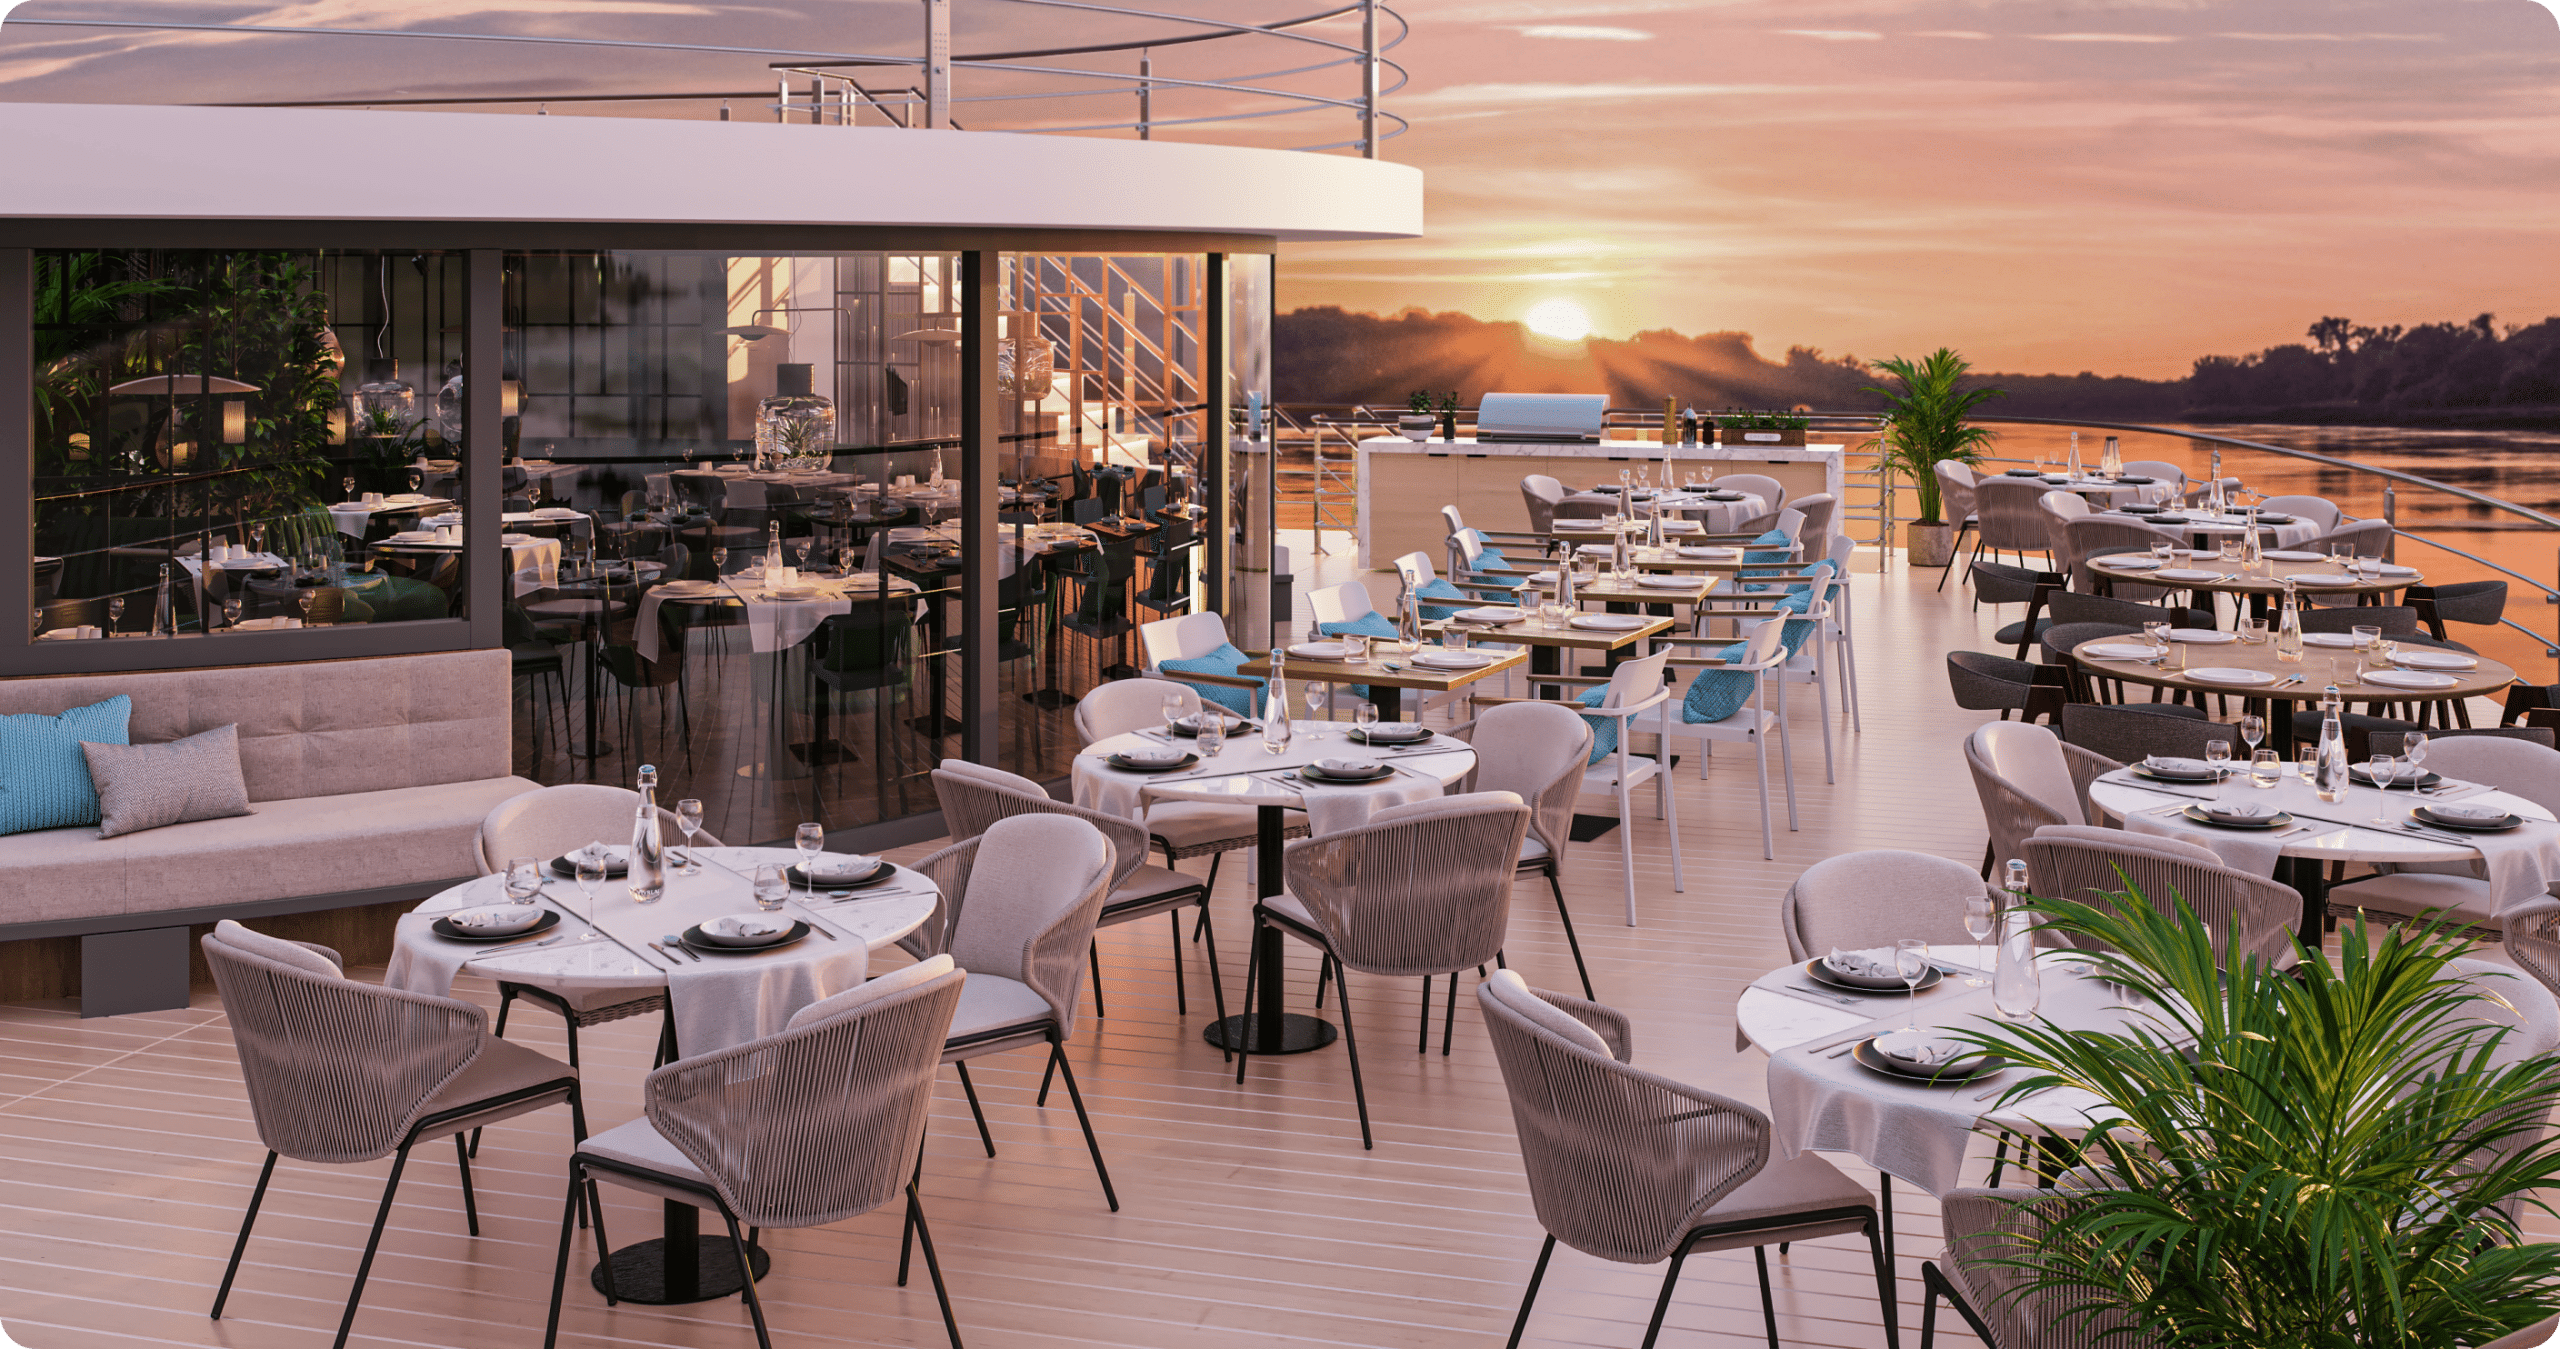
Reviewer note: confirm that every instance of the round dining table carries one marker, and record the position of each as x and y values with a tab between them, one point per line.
2260	672
717	999
2205	570
1245	773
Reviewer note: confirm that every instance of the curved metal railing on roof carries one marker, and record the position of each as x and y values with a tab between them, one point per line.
919	90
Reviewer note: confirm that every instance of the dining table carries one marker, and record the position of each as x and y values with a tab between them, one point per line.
533	563
1547	642
2206	571
2215	661
2101	490
1246	770
1713	510
2201	523
1388	672
2367	823
717	997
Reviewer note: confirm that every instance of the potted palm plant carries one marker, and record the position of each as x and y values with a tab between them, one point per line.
1924	426
2332	1157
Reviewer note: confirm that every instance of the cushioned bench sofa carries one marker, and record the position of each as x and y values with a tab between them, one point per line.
367	781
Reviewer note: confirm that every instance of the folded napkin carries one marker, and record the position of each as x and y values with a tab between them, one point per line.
1925	1049
1155	755
601	852
2242	812
1348	768
1867	968
845	867
748	925
497	919
2469	811
2164	763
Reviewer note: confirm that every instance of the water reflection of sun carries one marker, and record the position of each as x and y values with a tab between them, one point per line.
1560	319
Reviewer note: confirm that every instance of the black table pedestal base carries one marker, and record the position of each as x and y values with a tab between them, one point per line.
936	726
1052	699
1298	1034
640	1272
826	752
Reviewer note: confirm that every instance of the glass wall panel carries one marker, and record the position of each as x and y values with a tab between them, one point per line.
231	442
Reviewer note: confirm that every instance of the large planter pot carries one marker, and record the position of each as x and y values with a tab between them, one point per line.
1929	545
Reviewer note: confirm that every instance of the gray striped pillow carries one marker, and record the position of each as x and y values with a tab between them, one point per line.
148	786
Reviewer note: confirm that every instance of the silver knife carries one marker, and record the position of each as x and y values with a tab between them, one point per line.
1808	995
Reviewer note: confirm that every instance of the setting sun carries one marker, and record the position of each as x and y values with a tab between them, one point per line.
1562	320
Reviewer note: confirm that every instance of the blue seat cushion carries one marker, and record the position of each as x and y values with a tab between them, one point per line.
44	774
1370	624
1717	694
1604	730
1774	539
1438	589
1226	660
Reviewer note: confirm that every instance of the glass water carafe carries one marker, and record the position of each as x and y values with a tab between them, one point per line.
648	870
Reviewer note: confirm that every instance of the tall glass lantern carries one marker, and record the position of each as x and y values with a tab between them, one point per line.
796	427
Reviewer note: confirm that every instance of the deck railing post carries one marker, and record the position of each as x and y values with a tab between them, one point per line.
937	65
2391	517
1369	79
1146	90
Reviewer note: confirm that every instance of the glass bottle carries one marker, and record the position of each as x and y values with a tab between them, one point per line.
1408	622
1619	565
796	428
648	870
2076	474
164	612
2016	987
2289	625
773	552
2253	555
1276	729
2329	766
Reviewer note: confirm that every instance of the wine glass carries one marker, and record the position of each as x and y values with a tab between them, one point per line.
2413	752
2379	768
590	879
347	485
1911	961
2217	756
810	839
1314	698
1365	716
524	879
719	559
2253	729
1172	715
1977	925
230	611
689	819
115	614
306	599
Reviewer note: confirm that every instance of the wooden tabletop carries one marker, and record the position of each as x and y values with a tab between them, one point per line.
2267	580
2320	666
1534	632
1606	591
1374	671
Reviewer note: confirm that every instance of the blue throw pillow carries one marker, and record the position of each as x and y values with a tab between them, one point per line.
1604	730
1438	589
1717	694
44	774
1226	660
1370	624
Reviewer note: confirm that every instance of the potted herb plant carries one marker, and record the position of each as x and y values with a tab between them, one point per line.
1417	422
2329	1157
1742	426
1924	426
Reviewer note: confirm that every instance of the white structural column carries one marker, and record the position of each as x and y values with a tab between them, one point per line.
937	65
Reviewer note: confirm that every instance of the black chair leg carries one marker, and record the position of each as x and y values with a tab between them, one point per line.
1570	939
1537	1276
372	1244
974	1111
1217	986
1662	1304
1067	1074
247	1220
747	1275
1768	1305
1884	1291
1324	975
932	1265
1181	996
560	1268
1252	971
1449	1020
1048	1074
1351	1043
1422	1035
470	1204
1884	1211
907	1230
1093	964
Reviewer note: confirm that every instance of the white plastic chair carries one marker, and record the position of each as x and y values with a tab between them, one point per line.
1636	688
1762	653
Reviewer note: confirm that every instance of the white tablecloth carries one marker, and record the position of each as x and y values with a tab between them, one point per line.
1719	517
2300	531
1246	774
718	1000
1910	1130
254	562
772	624
2520	863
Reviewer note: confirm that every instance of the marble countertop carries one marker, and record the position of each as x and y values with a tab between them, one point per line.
1607	449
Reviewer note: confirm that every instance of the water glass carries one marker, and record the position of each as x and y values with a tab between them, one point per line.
1213	732
2307	762
2163	551
2265	770
689	819
810	839
2217	756
1555	615
1453	638
2253	631
2159	635
1173	708
772	886
524	880
1355	646
2231	551
2342	556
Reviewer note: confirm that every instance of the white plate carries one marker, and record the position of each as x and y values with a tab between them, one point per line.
1321	650
2126	561
2336	639
1156	755
2324	578
2202	636
2118	651
1492	615
2186	574
1609	622
2411	679
2290	555
2437	660
2395	569
1710	554
2217	674
1453	660
793	593
1659	582
497	919
1348	768
1542	578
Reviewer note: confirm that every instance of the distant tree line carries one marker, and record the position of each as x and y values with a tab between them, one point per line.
2473	372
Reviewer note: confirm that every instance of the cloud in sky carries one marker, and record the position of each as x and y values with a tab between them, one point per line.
1567	32
1835	34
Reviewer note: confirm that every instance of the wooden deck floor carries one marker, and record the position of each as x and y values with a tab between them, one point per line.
1250	1216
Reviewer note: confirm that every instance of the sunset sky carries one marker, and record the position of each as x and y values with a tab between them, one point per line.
2109	185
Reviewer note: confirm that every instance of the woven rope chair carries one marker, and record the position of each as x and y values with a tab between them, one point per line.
2132	732
1180	829
1874	898
2059	509
1632	1167
2319	512
2097	536
2013	521
2000	583
2369	538
817	1123
1986	1229
2027	779
1536	751
974	797
1986	683
2087	864
1956	507
1019	904
545	824
1539	495
1421	889
340	1072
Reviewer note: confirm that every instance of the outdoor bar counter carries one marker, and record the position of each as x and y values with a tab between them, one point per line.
1404	483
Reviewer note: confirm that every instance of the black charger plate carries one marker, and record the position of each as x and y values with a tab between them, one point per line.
567	868
443	927
1954	1074
2196	813
695	939
1314	774
1367	738
2399	783
2434	821
1191	731
2146	771
802	879
1821	973
1126	765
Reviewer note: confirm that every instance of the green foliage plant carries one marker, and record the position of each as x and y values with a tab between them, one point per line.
1747	419
2329	1157
1418	402
1925	422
